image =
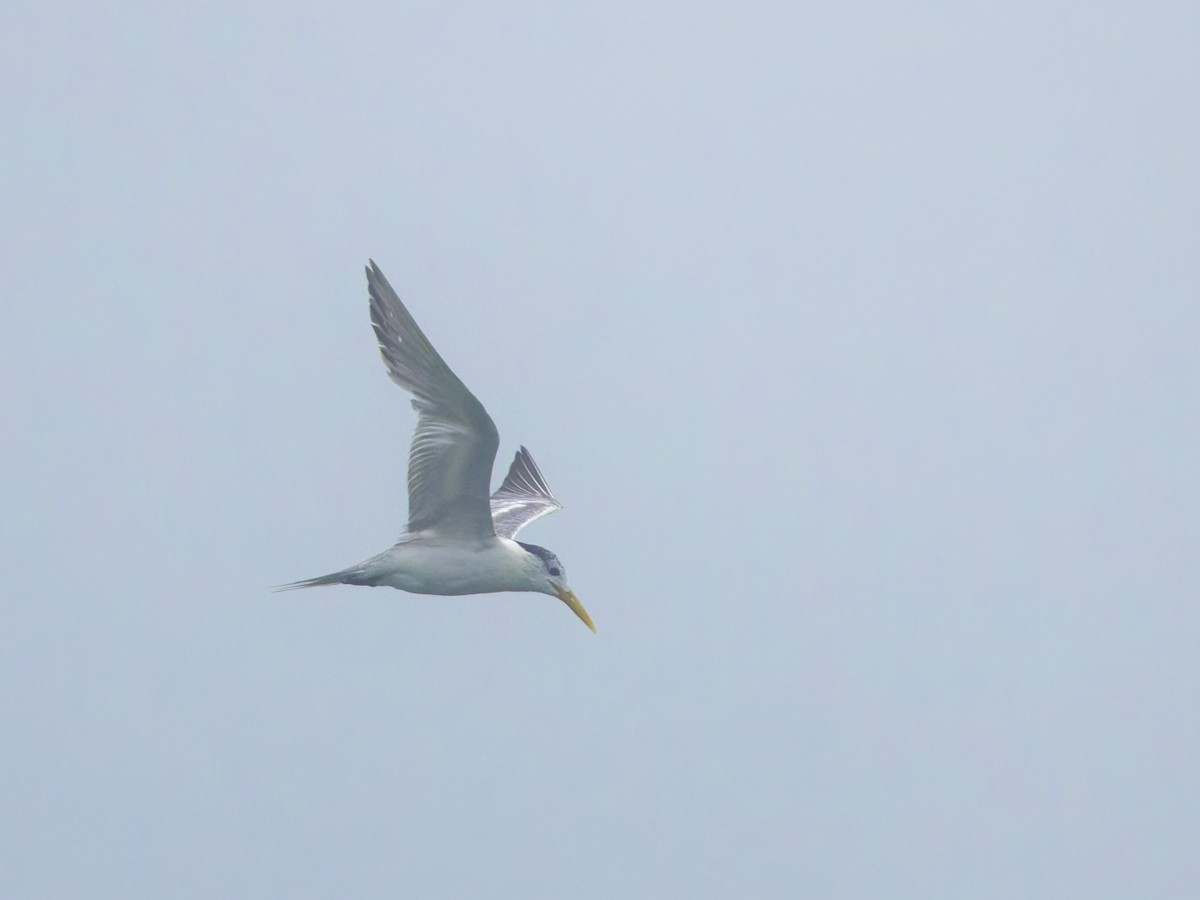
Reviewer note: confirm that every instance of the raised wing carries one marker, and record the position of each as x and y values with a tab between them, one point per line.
523	497
450	463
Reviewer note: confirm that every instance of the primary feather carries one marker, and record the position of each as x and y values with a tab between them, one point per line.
522	497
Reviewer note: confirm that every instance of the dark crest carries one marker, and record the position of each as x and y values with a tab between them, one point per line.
549	560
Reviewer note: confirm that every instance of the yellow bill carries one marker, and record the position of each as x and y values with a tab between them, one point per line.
568	597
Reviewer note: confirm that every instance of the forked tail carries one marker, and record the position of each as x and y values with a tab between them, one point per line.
346	576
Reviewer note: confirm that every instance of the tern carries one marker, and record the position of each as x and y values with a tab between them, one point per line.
459	540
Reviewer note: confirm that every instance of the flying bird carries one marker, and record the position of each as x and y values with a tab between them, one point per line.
459	540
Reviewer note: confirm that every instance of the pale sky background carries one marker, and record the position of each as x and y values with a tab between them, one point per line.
859	341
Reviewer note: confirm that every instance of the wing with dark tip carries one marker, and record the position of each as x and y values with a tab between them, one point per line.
523	497
450	463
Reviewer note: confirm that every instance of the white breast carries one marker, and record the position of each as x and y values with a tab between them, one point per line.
425	565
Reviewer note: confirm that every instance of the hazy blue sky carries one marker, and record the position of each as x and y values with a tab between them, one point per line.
859	341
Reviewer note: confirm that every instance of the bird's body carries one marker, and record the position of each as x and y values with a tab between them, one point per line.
428	564
459	538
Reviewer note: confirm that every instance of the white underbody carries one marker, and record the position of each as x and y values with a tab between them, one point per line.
427	564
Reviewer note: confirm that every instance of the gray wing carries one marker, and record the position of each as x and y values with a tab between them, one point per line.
523	497
450	463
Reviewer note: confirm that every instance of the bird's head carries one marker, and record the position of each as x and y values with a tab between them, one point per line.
550	577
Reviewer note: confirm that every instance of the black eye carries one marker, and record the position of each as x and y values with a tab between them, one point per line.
554	571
